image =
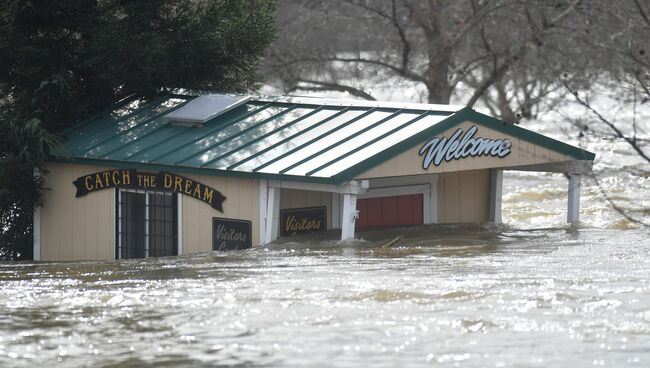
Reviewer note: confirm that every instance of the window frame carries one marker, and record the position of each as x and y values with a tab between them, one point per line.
176	221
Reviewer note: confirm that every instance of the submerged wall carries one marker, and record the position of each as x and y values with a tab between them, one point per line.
76	228
83	228
464	197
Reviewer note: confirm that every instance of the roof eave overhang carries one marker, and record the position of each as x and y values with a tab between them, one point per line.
188	169
465	114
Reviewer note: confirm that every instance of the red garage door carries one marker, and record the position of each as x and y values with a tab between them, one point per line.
390	211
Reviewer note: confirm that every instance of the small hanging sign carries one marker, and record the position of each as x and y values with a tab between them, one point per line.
455	148
303	220
228	234
162	181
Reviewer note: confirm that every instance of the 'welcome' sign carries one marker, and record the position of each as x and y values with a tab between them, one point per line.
454	148
127	178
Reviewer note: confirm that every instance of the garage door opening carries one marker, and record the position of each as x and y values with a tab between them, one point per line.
390	211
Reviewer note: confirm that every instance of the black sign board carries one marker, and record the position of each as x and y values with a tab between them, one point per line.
303	220
228	234
163	181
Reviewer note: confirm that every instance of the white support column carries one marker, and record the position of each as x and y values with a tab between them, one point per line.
349	216
573	212
433	200
264	190
37	233
272	215
336	211
36	226
179	221
496	192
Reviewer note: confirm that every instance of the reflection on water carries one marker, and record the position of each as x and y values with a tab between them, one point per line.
469	296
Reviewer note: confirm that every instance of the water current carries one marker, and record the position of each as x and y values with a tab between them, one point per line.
532	292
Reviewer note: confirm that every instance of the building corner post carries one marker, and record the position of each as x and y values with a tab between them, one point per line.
36	226
573	210
349	218
496	195
272	215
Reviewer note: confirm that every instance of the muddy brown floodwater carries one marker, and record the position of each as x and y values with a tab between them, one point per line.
531	293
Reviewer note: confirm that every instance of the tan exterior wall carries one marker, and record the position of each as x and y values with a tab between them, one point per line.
76	228
84	228
523	153
242	203
464	197
294	198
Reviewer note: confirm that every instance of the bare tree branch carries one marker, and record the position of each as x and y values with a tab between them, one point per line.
631	141
314	85
519	54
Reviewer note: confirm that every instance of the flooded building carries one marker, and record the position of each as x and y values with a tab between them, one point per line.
195	173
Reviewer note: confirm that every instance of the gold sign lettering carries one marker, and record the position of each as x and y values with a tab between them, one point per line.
303	220
162	181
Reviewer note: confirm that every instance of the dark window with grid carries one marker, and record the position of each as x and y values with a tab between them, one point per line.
146	224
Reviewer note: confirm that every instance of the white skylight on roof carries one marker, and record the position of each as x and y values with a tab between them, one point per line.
205	108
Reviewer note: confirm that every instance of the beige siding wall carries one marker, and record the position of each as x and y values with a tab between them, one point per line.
523	153
464	197
293	198
76	228
242	203
84	228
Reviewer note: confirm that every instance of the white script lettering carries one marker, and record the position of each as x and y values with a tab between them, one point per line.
454	148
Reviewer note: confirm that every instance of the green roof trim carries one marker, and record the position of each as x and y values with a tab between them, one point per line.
189	170
268	138
466	114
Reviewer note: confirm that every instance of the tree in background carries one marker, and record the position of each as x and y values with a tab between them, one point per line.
61	61
620	51
512	55
516	57
435	44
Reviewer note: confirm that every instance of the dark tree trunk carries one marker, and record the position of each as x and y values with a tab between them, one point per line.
437	73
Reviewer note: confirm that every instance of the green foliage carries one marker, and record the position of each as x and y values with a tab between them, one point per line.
62	61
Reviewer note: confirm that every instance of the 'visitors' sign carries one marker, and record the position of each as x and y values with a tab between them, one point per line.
303	220
230	234
457	147
127	178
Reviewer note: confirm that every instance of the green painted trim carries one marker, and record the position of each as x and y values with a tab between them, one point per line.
265	135
465	114
529	136
372	141
339	142
267	149
237	134
211	130
189	170
290	152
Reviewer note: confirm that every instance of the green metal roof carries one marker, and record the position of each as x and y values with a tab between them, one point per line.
305	139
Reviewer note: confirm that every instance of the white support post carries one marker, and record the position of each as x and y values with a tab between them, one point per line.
336	211
496	192
37	226
433	200
272	215
349	216
573	212
264	190
37	233
179	220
